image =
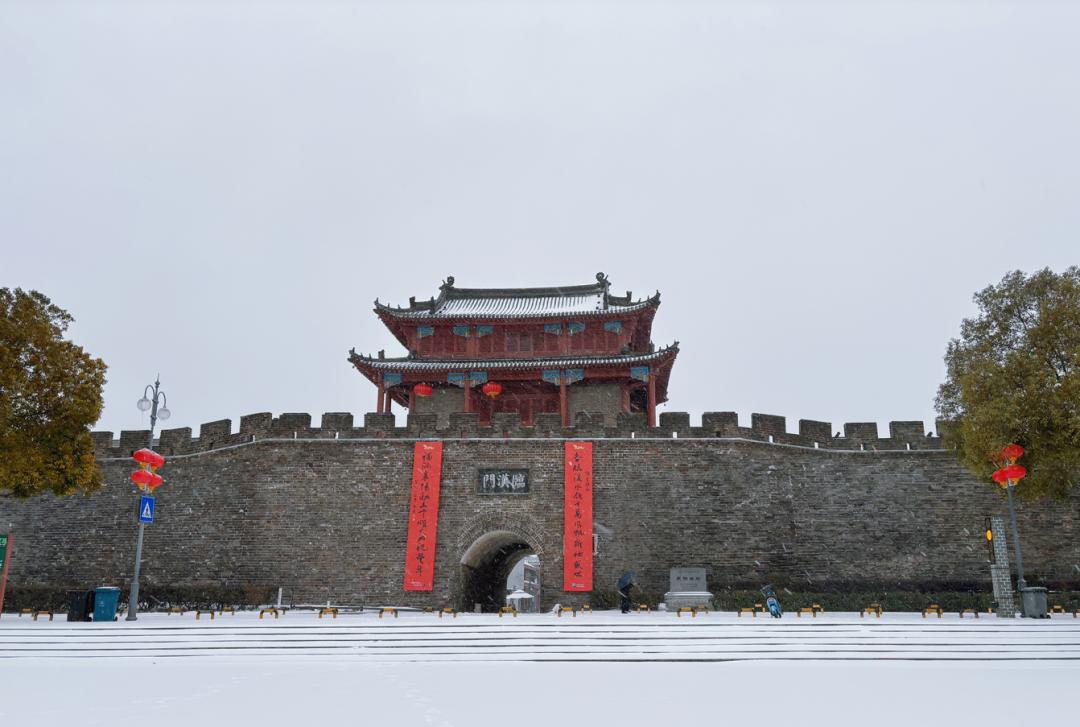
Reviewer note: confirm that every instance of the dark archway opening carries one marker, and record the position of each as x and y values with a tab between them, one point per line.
485	566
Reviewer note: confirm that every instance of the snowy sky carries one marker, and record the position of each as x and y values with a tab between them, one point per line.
218	191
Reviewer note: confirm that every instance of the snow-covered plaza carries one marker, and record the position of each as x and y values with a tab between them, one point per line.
538	669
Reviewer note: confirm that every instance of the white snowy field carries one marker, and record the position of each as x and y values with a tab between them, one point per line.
418	669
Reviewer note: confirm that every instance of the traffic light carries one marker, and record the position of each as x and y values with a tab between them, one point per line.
989	531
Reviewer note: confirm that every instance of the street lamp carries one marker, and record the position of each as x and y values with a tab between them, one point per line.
144	404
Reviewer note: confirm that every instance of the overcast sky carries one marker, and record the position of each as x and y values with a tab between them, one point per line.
219	191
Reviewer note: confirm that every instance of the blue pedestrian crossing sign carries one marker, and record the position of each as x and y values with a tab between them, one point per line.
146	509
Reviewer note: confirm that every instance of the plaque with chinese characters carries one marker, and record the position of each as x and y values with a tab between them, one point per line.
503	482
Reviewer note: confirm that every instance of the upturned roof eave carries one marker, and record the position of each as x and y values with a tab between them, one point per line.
663	359
420	364
426	313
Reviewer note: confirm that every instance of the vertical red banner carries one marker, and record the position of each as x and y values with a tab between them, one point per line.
423	516
577	518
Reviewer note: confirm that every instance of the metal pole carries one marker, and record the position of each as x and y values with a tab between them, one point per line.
1021	584
133	592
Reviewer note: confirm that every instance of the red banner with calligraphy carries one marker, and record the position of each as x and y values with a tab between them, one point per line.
577	522
423	516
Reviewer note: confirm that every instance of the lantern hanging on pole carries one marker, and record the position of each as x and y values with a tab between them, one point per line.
1012	452
492	389
143	478
148	458
1009	475
1015	472
423	390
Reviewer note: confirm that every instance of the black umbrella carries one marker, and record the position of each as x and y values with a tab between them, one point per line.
627	579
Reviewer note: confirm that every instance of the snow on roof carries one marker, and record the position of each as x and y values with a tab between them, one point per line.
591	299
538	306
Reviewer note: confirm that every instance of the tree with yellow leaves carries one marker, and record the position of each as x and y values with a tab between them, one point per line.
1014	376
50	396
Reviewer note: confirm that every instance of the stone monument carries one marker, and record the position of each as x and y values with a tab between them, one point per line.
688	589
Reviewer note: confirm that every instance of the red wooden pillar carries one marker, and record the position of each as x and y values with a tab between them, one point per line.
412	401
563	409
466	391
652	399
389	401
380	401
626	399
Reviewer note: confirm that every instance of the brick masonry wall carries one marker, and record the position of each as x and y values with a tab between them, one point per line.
324	515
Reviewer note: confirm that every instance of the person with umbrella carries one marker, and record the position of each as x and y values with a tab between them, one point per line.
624	586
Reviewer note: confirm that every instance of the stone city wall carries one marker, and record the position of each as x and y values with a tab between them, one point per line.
323	511
336	425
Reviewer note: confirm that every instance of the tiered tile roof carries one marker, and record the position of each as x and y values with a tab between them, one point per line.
578	300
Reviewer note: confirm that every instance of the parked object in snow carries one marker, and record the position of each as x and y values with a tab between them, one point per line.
772	602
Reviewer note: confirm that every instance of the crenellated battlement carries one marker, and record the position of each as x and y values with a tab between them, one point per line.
855	436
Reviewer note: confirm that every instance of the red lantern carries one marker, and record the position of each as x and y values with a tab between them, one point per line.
492	389
423	390
155	481
1012	452
143	478
148	458
1015	472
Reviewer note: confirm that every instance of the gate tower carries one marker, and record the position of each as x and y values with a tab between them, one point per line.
542	350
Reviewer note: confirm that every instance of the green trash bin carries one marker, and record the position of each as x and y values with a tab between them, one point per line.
106	599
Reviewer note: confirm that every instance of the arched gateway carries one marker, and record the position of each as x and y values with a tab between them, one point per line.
485	566
491	544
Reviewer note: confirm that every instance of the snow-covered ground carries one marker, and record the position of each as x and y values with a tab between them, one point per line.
538	669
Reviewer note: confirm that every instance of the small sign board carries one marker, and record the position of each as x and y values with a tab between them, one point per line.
688	579
146	509
503	482
5	553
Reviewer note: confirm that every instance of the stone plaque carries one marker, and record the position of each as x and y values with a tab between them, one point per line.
503	482
688	579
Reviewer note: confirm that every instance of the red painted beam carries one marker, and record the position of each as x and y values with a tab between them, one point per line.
563	408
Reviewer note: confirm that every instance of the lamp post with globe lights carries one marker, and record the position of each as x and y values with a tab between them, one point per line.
151	405
146	404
